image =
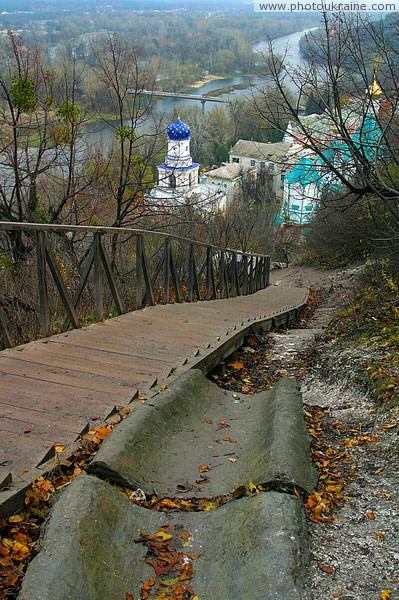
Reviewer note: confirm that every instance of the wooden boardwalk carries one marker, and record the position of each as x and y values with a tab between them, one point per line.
50	390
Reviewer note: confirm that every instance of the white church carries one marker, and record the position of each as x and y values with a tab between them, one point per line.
179	180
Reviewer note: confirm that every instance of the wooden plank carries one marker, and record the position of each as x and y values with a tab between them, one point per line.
84	276
42	282
213	280
208	273
173	274
72	425
7	339
98	277
62	289
196	282
134	351
114	372
155	276
221	274
55	399
112	281
148	288
190	289
166	262
79	379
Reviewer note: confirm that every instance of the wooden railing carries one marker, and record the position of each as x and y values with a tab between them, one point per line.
103	265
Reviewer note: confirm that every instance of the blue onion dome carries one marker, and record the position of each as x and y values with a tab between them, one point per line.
178	131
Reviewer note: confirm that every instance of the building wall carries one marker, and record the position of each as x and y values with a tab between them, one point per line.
271	167
299	202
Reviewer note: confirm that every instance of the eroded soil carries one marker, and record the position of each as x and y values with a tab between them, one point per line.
355	547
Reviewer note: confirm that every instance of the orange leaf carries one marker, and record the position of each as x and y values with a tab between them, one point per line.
326	569
237	365
209	421
204	468
371	516
129	596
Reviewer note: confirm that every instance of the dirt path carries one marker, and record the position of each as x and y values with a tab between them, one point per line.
356	555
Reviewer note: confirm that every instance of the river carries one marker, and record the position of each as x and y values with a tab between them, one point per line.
287	44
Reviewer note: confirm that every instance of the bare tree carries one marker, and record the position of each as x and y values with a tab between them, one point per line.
352	76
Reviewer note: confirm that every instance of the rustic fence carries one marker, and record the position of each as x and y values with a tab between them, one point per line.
67	276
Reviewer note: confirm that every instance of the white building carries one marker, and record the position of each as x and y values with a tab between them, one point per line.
271	157
227	180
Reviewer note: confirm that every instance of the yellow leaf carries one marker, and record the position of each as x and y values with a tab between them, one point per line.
210	506
58	448
16	519
163	536
385	594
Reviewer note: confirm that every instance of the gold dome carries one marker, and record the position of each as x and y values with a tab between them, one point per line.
374	90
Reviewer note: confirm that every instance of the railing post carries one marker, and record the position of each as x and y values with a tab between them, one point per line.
42	281
221	274
208	273
253	268
267	274
257	264
190	290
139	271
7	339
98	277
245	275
166	275
234	283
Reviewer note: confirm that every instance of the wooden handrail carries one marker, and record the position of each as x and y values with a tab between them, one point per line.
54	228
221	275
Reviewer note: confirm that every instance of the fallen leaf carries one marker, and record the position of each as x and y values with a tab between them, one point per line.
385	594
27	430
162	535
233	460
129	597
251	487
204	468
209	421
163	387
371	516
58	448
16	518
326	569
237	365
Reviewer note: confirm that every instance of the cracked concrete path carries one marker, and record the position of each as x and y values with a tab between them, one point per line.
252	548
198	440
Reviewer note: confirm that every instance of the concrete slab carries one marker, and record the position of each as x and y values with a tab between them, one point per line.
195	426
250	549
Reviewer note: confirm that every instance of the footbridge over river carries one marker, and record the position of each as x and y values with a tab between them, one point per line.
181	96
115	314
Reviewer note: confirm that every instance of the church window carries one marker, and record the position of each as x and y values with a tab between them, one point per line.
236	160
172	181
253	163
